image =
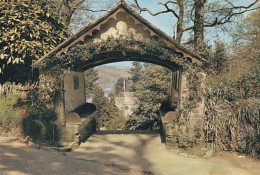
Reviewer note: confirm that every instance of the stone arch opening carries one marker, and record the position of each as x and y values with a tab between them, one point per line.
124	99
120	35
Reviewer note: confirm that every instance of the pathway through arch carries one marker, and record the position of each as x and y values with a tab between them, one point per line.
144	153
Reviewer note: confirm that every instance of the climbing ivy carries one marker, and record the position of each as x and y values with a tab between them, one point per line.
83	52
40	121
195	91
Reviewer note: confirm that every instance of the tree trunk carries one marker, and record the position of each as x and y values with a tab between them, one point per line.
66	12
199	24
68	7
180	21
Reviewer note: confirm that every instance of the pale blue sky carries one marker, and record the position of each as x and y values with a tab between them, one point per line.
166	22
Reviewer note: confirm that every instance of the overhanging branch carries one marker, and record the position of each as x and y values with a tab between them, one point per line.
160	12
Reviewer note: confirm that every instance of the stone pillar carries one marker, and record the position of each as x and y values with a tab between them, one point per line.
74	90
168	130
176	85
54	80
187	130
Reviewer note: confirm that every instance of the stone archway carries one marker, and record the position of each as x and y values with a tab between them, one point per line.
119	35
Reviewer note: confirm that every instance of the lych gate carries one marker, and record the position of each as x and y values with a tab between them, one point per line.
119	35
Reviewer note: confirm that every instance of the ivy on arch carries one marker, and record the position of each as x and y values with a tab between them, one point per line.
79	54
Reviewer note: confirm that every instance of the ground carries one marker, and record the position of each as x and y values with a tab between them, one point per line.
114	154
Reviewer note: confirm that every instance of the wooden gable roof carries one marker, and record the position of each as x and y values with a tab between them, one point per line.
96	25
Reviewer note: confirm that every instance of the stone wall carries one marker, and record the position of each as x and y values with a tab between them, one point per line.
74	90
185	128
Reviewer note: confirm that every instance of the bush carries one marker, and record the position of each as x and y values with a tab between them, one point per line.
41	126
232	114
138	123
10	112
88	128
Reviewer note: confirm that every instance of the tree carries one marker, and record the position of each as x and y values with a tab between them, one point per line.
153	88
232	101
135	72
99	99
245	61
122	84
119	86
219	59
108	114
28	30
75	13
91	77
246	38
202	13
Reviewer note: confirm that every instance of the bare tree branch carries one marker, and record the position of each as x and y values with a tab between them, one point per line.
160	12
90	10
233	7
243	7
227	18
170	10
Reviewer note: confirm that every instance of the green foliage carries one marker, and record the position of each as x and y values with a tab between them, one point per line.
195	91
136	72
91	77
10	113
232	125
78	54
232	98
28	30
99	99
152	89
119	86
41	116
88	128
122	83
107	112
219	59
248	31
40	126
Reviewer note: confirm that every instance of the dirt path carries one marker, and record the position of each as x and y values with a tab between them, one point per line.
114	154
19	159
145	153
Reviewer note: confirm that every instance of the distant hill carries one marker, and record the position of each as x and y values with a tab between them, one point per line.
110	74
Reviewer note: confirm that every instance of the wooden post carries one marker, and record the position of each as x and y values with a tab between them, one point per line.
176	86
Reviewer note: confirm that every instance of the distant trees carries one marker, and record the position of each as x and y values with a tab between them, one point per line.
107	114
152	88
91	77
119	86
123	84
219	59
129	83
135	72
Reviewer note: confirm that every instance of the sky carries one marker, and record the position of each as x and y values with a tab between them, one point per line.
166	22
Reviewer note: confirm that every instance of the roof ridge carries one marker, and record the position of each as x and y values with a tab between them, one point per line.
125	6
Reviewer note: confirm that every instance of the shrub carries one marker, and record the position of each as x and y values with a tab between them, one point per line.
10	112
